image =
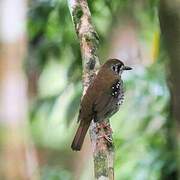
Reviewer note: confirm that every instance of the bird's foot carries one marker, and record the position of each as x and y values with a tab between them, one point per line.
105	131
104	125
107	137
107	127
98	127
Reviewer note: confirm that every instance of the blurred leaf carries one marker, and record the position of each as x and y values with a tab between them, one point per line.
49	173
73	107
47	101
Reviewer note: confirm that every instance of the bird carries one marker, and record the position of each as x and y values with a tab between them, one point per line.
102	99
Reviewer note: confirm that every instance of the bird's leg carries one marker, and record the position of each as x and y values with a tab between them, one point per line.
98	127
106	126
103	125
105	136
107	131
109	139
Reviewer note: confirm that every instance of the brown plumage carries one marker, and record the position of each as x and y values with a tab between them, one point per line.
102	99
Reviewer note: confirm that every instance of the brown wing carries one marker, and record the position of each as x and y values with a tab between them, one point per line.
86	107
93	91
108	102
98	95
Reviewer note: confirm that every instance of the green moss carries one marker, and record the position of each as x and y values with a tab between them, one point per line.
91	64
100	162
92	37
77	14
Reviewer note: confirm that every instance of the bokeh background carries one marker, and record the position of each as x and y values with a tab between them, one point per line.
143	129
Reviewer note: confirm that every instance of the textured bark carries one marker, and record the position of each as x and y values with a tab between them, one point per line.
169	15
18	160
102	151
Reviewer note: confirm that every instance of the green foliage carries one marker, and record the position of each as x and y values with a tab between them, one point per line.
51	34
73	107
55	174
139	137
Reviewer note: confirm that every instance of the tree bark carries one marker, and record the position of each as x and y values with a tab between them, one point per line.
103	152
18	160
169	15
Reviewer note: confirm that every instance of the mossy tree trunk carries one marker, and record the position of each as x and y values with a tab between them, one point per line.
103	153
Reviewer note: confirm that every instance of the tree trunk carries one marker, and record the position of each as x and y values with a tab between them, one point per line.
18	160
103	154
169	15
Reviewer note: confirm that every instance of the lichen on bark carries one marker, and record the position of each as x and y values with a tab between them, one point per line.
77	14
101	165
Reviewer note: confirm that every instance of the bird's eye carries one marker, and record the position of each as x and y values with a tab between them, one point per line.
117	68
114	68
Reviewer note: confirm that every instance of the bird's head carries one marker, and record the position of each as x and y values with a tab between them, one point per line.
116	66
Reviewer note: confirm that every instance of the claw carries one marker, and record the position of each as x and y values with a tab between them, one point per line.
106	137
106	126
107	131
98	127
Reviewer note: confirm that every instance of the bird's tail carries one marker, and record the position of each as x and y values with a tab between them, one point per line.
80	135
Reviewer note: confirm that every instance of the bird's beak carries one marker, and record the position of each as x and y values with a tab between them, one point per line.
127	68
